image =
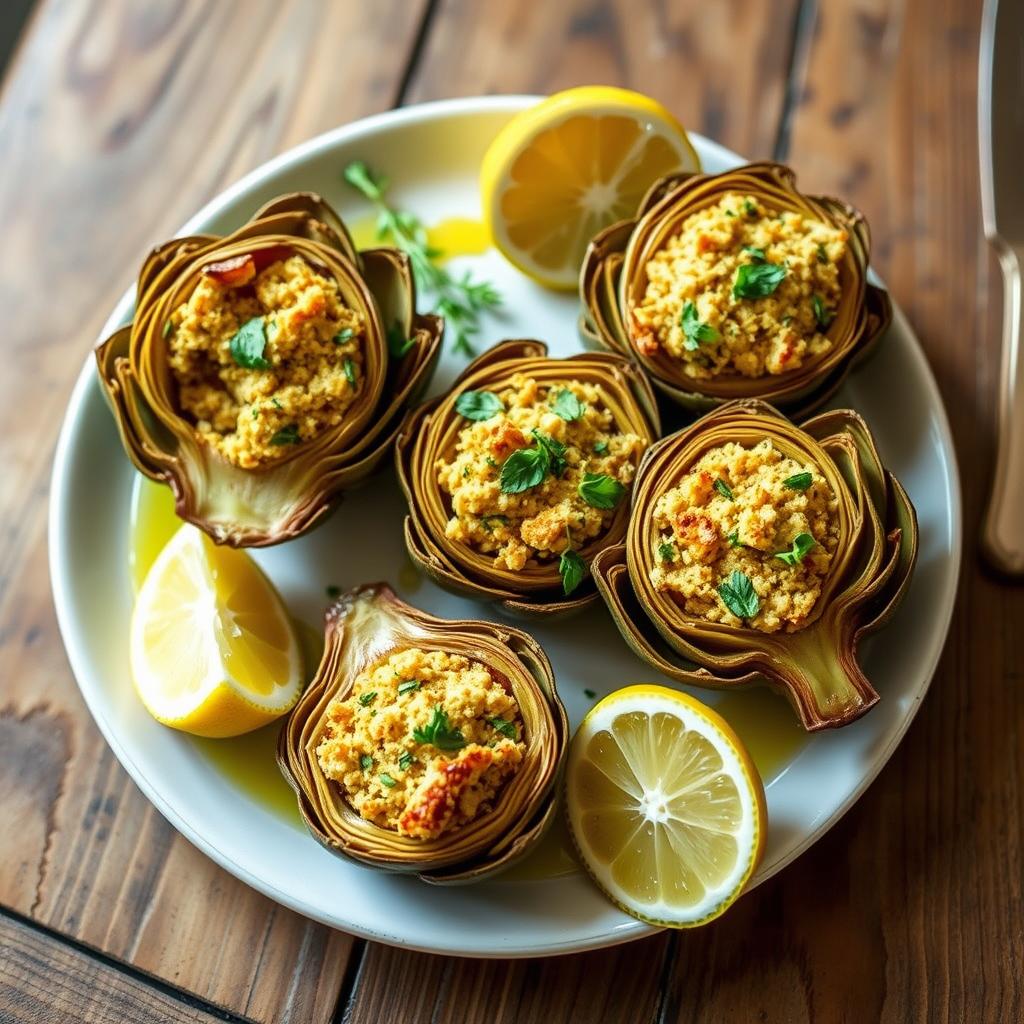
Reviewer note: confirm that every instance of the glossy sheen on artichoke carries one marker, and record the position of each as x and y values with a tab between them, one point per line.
432	432
362	628
280	500
613	278
815	667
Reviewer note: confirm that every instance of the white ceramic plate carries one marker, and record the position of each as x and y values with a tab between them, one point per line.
432	153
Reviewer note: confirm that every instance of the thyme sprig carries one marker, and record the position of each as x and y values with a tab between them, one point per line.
460	300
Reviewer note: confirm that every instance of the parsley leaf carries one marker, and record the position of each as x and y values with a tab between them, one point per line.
798	481
387	780
749	208
247	344
822	254
821	312
505	728
756	280
572	569
398	343
802	543
666	551
599	490
739	596
568	406
366	699
408	685
555	450
524	469
287	435
342	336
479	405
405	759
365	762
601	447
724	489
168	327
438	732
350	372
734	540
695	332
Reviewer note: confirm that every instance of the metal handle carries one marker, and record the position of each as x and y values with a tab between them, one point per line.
1002	535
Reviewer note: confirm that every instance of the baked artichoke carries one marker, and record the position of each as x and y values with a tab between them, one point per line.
736	285
267	371
518	476
762	551
393	772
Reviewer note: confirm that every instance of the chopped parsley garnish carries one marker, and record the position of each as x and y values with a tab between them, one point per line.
734	540
724	489
599	490
802	543
568	406
342	336
749	208
739	596
755	253
366	699
247	344
404	760
333	591
666	551
589	693
757	280
350	371
730	213
365	762
821	312
438	732
487	522
460	300
572	569
822	254
527	467
287	435
387	780
168	327
798	481
478	405
505	728
695	333
492	462
408	685
276	403
398	343
601	447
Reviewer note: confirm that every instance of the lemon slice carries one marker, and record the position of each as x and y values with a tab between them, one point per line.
665	806
213	651
576	162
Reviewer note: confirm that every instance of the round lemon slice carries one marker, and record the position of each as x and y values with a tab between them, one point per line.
665	806
213	651
576	162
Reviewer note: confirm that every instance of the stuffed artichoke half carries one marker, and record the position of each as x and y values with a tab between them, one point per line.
759	550
266	371
425	745
736	285
521	474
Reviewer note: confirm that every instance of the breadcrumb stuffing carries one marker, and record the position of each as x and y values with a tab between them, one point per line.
702	535
751	337
539	523
374	745
311	345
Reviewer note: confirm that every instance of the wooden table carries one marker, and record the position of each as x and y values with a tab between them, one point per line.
118	119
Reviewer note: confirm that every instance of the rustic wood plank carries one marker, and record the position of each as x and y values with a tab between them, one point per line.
720	68
117	121
44	980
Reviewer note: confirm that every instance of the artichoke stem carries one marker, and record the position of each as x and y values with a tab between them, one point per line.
824	681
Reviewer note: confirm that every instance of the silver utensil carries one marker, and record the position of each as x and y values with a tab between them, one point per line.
1001	143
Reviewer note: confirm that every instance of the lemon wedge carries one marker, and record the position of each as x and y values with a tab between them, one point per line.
665	806
562	170
213	652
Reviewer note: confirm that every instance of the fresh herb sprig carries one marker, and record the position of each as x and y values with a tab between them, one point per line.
459	300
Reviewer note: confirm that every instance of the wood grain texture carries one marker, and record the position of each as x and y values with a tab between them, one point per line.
117	121
44	981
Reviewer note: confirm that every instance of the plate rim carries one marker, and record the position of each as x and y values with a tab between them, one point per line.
57	543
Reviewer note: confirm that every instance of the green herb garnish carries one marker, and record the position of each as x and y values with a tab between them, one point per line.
749	208
694	332
568	406
755	253
734	539
756	280
365	762
478	405
366	699
168	327
802	543
798	481
408	685
247	344
527	467
739	596
438	732
821	312
342	336
350	371
601	447
599	490
822	254
405	759
724	489
398	343
486	521
459	300
276	403
387	780
666	551
287	435
505	728
572	569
